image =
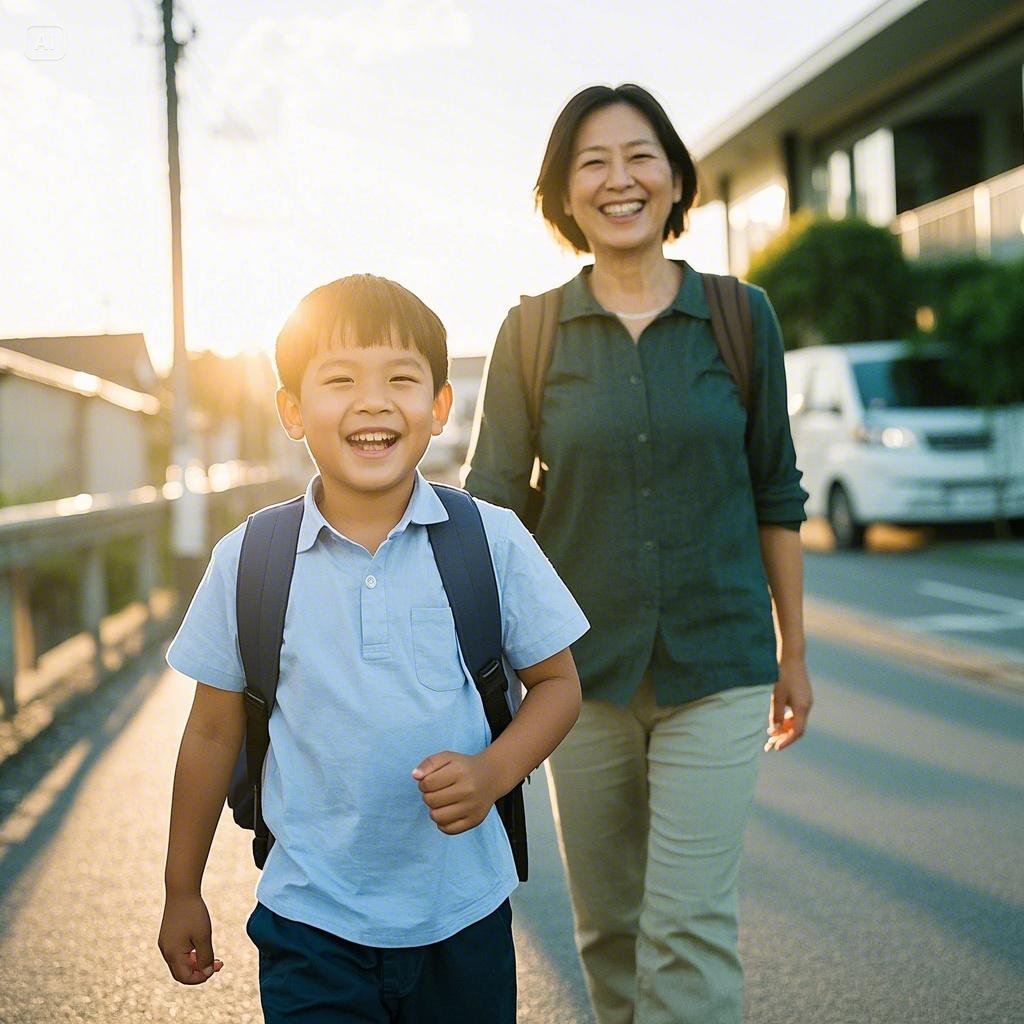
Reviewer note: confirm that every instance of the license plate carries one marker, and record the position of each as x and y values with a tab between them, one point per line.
972	499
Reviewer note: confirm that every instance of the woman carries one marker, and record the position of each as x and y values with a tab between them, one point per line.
670	511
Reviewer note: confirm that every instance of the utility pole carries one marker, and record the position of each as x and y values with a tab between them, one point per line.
188	512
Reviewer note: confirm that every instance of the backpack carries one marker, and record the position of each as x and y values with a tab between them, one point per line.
731	325
265	566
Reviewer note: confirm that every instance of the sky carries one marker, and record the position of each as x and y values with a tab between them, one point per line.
318	139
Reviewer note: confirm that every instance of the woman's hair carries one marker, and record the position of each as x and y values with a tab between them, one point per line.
553	180
360	310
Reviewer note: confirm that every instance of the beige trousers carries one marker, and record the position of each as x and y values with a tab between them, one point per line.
651	805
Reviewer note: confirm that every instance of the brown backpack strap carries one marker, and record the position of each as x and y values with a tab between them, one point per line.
538	325
733	328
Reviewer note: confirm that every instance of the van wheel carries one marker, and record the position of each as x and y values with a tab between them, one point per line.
848	532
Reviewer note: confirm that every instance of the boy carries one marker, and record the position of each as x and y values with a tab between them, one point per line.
385	895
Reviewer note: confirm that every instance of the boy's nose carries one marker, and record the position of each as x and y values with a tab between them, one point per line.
373	400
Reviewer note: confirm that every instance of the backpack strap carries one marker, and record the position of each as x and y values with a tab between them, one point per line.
265	565
538	325
733	328
463	559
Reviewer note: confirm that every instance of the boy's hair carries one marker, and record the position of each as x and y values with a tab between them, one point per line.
553	181
363	310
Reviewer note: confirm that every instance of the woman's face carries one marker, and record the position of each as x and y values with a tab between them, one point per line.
621	185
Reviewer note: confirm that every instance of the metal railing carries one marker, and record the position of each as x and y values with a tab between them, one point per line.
986	220
84	526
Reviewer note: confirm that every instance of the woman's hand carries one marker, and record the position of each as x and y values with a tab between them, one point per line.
791	705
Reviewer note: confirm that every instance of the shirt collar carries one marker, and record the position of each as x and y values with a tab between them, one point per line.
424	507
577	300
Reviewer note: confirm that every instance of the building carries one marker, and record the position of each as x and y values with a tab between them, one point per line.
911	118
119	358
64	432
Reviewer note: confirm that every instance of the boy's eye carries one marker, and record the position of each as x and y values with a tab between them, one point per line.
406	378
338	380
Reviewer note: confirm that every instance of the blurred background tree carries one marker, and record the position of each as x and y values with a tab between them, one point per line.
834	281
978	312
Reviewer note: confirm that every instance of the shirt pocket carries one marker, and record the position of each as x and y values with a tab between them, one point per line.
435	649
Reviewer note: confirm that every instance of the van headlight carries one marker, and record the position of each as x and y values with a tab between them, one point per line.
886	437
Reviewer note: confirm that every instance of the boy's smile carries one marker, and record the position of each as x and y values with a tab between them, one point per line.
367	415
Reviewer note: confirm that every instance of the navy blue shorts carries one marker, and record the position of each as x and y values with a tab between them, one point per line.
308	976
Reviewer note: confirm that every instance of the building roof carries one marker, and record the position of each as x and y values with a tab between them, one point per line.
894	48
120	358
76	381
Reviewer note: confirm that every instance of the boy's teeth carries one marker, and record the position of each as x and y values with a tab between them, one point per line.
621	209
372	436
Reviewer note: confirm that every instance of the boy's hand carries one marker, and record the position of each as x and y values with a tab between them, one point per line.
186	940
459	789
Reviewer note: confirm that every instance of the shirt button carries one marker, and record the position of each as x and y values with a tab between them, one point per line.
634	379
648	545
371	581
645	492
642	438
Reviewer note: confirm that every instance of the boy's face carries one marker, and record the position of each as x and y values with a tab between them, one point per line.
367	415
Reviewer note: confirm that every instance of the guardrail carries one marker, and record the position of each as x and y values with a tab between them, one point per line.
85	525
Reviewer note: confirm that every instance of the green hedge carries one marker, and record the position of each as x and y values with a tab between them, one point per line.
980	317
835	281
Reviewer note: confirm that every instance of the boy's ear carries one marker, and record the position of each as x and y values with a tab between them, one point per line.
289	411
442	408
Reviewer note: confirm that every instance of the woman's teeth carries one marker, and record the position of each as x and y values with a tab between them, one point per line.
622	209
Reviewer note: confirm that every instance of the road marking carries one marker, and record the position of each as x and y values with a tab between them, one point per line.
1008	612
963	623
970	597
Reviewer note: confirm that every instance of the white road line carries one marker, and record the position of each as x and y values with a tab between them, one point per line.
970	597
965	623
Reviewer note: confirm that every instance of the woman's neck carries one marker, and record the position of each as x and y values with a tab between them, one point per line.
634	283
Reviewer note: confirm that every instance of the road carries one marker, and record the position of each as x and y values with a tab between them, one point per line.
971	594
883	882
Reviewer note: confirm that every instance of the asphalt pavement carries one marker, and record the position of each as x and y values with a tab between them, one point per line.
883	880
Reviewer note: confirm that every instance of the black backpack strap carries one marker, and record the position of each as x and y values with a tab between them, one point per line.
463	560
733	328
265	565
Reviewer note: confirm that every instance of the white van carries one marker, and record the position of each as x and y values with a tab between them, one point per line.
883	435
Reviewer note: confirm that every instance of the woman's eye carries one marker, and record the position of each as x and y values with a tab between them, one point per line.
338	380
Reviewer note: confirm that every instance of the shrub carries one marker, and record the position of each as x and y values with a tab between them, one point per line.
981	320
835	281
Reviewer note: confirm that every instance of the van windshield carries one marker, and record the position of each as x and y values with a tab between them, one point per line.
912	383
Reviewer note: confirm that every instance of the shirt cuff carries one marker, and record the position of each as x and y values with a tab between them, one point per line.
568	633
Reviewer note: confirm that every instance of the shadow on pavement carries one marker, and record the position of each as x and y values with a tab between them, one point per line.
38	786
922	690
970	913
864	765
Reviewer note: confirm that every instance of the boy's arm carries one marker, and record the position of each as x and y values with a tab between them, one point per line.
460	789
209	748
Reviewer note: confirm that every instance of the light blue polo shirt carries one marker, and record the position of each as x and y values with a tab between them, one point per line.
372	682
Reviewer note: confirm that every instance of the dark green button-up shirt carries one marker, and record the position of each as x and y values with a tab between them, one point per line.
654	490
